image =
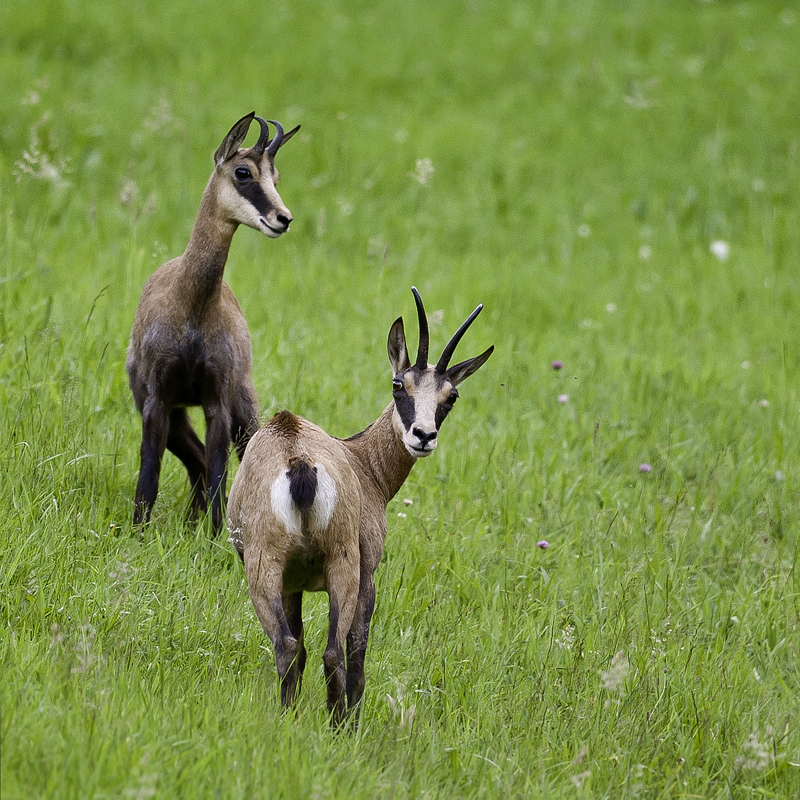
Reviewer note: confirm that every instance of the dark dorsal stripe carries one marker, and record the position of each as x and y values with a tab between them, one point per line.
286	424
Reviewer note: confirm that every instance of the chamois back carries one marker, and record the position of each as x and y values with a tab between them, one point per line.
307	512
190	344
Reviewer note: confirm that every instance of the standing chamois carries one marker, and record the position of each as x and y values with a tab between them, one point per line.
190	345
307	512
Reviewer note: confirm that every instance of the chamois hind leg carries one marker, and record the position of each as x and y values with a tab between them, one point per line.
155	428
265	580
186	445
218	442
293	608
342	581
244	417
357	645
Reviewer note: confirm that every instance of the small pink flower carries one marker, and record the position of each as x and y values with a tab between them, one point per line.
563	398
557	365
645	468
543	545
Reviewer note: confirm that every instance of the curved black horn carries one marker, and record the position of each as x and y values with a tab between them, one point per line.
447	353
276	142
263	138
422	350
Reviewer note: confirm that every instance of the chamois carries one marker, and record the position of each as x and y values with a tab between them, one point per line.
190	345
307	512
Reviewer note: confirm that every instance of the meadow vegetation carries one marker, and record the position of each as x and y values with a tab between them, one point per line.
619	184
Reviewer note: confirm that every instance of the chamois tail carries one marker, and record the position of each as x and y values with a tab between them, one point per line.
302	483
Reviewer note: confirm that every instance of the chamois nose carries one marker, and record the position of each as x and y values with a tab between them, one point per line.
285	220
423	437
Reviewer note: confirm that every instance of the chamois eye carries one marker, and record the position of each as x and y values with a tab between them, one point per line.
397	385
453	397
242	174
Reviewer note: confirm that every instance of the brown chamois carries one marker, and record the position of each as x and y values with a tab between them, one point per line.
307	512
190	345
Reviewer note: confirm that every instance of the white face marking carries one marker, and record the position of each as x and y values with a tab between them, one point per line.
411	443
421	437
271	224
273	221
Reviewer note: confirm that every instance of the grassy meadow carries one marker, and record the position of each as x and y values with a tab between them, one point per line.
619	184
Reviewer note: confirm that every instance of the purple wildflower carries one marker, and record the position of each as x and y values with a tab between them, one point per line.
543	545
645	468
557	365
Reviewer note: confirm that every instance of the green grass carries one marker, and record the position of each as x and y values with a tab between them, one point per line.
585	156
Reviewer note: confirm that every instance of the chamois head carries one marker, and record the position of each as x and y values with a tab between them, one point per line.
246	178
424	393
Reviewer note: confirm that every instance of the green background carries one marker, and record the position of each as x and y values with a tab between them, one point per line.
569	165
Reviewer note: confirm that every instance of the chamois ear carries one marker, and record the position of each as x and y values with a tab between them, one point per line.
398	352
460	372
233	141
280	138
287	136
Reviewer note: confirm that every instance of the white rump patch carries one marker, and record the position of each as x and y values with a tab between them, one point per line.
325	500
321	511
283	506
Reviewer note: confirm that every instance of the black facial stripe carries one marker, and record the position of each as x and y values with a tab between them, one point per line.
442	410
254	194
405	408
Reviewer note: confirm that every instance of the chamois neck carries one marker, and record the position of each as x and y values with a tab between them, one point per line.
382	454
205	255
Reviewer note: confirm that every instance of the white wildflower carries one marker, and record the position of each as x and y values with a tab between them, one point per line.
423	171
755	754
566	639
615	676
721	250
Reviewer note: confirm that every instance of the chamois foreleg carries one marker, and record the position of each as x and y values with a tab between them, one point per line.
218	442
155	429
186	445
244	417
357	644
342	584
265	579
293	681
